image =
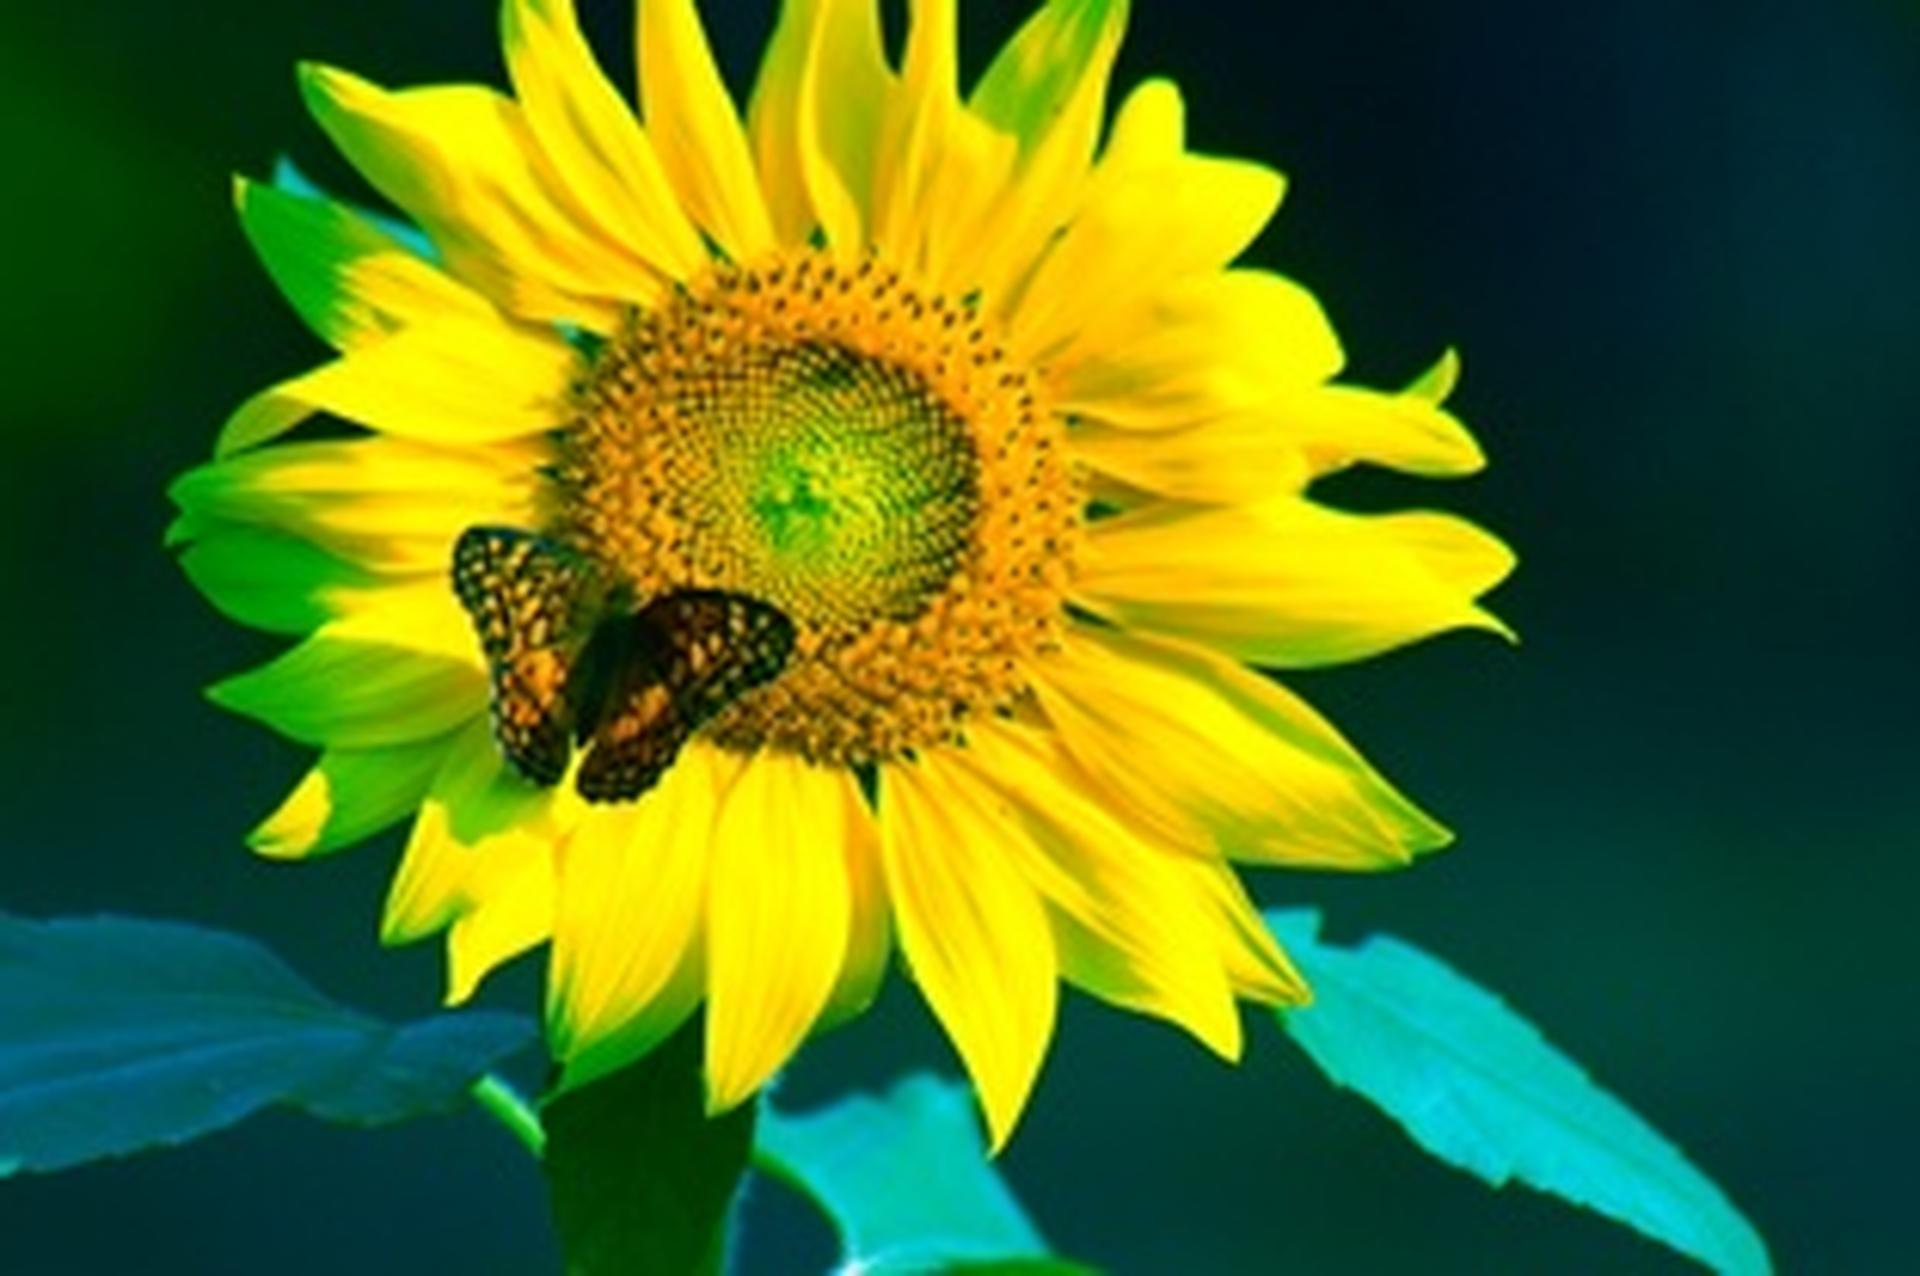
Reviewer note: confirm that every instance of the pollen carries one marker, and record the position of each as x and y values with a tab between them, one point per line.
864	455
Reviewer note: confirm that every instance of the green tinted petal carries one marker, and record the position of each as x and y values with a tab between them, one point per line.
334	691
350	795
350	281
1036	73
268	580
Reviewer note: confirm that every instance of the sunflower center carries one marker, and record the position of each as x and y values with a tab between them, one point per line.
828	483
863	456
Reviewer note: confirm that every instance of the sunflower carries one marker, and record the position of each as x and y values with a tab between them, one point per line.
939	480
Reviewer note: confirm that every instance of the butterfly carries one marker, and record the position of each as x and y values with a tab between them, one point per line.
572	663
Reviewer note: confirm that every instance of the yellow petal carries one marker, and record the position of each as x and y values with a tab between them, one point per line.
960	191
816	107
1255	454
512	911
1129	925
350	281
1150	128
972	931
779	914
1048	89
870	930
937	166
348	796
1290	583
1140	230
696	130
429	890
449	380
1259	969
774	126
386	505
930	68
424	616
1339	425
627	965
1233	461
1146	146
1198	349
461	161
1211	755
611	177
481	828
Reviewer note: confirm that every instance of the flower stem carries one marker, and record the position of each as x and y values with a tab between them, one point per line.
642	1179
510	1108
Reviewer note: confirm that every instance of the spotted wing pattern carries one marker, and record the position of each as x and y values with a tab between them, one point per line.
568	664
535	604
680	660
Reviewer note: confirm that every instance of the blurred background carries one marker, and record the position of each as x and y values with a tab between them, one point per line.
1676	243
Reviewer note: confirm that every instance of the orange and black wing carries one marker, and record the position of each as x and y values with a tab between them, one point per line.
681	659
533	603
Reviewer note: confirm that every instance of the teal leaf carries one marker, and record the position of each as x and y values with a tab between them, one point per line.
119	1035
1477	1086
906	1183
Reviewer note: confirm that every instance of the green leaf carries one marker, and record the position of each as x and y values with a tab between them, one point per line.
640	1178
1478	1087
119	1035
906	1182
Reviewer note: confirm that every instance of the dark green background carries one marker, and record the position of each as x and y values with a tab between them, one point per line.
1676	244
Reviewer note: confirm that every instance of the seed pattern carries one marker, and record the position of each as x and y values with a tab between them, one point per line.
862	455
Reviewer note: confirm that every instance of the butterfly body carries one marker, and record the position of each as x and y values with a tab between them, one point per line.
570	663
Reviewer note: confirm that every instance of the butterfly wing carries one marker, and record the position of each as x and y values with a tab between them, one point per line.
532	602
687	655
